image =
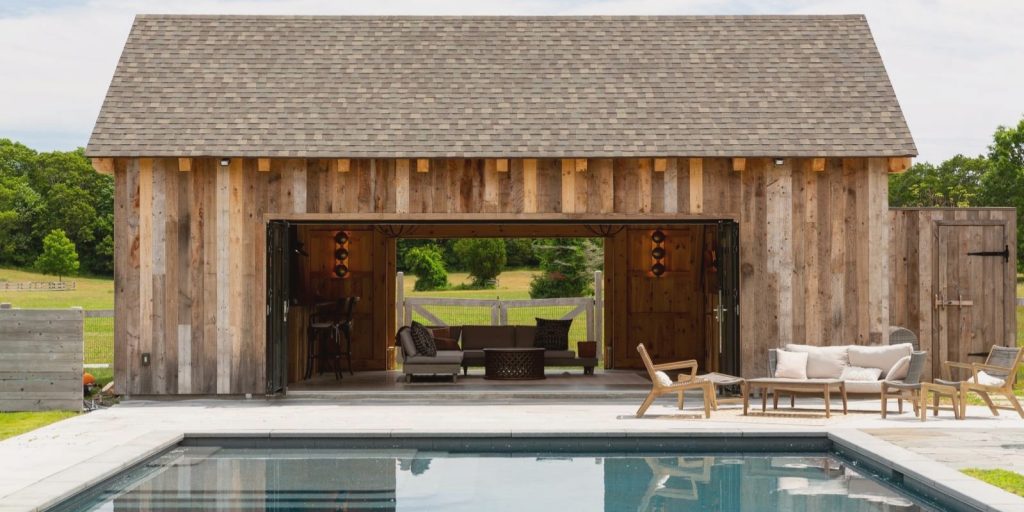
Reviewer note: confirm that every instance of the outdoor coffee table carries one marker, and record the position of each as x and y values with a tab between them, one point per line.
525	363
770	385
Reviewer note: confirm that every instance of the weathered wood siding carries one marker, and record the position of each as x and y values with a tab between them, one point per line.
41	359
190	248
929	261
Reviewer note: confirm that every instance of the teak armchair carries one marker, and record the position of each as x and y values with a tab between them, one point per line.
996	375
661	383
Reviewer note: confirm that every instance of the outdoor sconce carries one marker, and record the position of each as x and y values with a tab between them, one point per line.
779	161
658	253
341	253
225	162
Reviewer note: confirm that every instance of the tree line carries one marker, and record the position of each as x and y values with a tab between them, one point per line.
992	179
55	194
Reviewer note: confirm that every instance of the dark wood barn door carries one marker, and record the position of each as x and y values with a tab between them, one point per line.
278	293
970	296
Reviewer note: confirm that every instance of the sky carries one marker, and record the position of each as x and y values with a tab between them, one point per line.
957	65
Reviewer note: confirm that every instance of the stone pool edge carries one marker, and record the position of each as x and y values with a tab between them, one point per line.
918	472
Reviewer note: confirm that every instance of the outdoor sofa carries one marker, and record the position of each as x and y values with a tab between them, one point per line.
445	362
829	362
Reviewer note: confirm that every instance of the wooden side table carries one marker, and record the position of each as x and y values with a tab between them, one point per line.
770	385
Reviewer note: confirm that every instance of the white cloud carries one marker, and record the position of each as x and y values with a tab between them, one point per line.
956	66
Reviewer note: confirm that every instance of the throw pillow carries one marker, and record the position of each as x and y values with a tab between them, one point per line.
552	334
899	370
861	374
423	340
989	380
663	378
446	343
791	365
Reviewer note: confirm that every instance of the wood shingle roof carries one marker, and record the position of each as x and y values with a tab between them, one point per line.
301	86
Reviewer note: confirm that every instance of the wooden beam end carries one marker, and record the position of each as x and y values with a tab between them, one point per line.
422	165
185	165
342	165
660	164
899	164
263	164
581	165
739	164
818	164
103	165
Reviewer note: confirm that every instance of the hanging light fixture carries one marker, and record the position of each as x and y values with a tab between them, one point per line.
658	253
341	254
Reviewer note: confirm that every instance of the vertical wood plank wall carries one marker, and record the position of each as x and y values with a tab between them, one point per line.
190	248
916	277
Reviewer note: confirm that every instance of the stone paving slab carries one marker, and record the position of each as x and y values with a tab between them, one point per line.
57	460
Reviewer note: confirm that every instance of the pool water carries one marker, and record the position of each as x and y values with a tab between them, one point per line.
212	478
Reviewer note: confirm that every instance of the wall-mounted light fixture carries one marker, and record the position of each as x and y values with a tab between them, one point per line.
225	162
658	253
341	254
779	161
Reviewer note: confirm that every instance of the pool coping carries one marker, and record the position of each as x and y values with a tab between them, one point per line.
917	472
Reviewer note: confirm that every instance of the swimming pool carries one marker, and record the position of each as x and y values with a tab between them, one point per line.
496	475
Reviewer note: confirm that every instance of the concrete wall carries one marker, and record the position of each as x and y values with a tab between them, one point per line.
41	353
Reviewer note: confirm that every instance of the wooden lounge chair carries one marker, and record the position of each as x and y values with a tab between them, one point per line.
908	387
996	375
661	383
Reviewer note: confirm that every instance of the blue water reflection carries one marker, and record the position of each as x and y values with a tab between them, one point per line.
203	478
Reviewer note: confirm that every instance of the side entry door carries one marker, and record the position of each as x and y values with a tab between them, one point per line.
727	313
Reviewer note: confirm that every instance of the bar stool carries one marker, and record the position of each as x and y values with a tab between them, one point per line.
322	329
348	305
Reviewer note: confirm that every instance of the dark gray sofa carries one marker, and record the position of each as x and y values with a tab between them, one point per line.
473	339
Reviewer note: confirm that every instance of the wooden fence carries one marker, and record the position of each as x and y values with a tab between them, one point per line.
41	353
36	286
448	311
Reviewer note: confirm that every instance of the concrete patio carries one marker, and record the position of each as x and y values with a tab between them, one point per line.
64	458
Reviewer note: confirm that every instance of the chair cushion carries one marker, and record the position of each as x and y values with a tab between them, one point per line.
552	334
899	369
443	357
663	378
883	357
988	380
476	337
822	362
860	374
423	340
791	365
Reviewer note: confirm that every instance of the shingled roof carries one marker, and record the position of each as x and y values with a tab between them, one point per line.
300	86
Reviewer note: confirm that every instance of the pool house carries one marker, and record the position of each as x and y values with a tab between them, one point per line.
263	164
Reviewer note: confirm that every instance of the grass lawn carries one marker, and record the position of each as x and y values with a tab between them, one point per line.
89	293
15	423
1009	481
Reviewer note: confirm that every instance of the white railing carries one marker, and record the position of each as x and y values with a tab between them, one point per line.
36	286
447	311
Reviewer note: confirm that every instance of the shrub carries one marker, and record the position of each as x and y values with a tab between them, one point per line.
484	258
565	272
59	256
425	262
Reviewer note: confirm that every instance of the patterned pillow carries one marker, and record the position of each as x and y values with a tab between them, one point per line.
552	334
423	340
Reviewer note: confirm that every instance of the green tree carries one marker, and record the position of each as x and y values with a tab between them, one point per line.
426	263
484	258
520	253
59	256
1003	185
955	183
19	207
565	269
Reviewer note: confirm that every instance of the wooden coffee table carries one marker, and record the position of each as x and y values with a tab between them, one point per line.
525	363
770	385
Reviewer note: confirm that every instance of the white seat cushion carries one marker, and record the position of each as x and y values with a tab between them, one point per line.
856	373
863	386
882	357
791	365
822	362
442	357
989	380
